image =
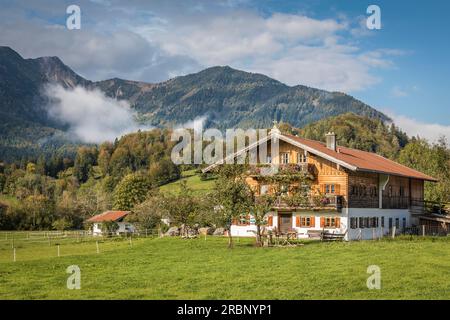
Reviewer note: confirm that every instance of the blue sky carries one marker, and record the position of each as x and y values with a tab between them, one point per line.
402	69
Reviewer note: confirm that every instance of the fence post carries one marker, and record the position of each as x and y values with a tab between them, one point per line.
12	241
14	254
423	230
98	250
393	232
58	251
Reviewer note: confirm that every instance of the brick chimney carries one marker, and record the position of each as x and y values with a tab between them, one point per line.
331	141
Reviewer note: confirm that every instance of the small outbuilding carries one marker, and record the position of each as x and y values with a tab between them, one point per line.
111	216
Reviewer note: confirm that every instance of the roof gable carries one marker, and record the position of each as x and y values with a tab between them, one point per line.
109	216
352	159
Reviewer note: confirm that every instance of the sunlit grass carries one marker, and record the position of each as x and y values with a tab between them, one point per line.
193	181
173	268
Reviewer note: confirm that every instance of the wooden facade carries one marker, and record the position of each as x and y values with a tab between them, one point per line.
356	189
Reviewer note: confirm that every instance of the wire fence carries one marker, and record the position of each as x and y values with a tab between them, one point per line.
427	230
31	245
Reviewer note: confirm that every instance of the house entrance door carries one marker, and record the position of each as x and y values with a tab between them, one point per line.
285	222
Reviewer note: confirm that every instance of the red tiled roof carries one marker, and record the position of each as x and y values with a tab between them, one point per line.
109	216
363	160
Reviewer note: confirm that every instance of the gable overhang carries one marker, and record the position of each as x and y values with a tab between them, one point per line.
318	153
286	139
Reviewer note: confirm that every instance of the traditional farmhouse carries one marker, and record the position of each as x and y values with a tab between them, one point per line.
363	194
109	216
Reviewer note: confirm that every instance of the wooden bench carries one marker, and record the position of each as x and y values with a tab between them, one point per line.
328	236
314	234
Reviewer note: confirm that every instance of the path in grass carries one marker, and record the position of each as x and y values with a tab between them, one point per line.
170	268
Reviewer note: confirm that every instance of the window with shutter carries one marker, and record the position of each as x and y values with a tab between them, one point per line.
297	221
270	221
337	188
322	222
322	188
338	222
312	221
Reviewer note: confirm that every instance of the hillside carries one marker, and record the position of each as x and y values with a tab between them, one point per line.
226	97
359	132
231	98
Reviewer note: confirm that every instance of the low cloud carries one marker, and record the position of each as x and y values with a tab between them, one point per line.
91	116
197	124
430	131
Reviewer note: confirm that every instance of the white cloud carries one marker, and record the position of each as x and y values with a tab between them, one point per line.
91	116
413	127
294	49
152	41
197	124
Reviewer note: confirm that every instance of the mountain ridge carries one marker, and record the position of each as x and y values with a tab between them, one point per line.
226	97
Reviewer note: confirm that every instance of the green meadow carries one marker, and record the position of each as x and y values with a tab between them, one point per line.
174	268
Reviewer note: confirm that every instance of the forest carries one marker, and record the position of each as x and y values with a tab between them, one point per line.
61	191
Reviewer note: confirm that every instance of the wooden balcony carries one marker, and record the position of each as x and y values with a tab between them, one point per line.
282	169
328	202
390	202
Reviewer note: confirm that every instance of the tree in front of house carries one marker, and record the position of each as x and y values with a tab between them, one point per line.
109	227
130	191
230	196
183	208
149	213
260	206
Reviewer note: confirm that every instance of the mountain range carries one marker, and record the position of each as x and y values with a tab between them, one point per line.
225	97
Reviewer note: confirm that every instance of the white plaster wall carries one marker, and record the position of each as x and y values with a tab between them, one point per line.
345	215
369	233
123	227
250	230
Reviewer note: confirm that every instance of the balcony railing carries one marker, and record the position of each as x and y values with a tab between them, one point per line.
312	202
281	169
395	202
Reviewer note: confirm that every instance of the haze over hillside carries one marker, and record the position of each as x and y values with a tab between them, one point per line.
225	97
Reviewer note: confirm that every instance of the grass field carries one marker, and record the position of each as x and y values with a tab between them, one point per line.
193	181
172	268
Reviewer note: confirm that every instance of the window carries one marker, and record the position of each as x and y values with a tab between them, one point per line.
306	222
390	223
397	223
390	191
285	158
353	223
361	222
269	159
331	189
330	222
382	222
301	158
244	220
402	191
404	223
